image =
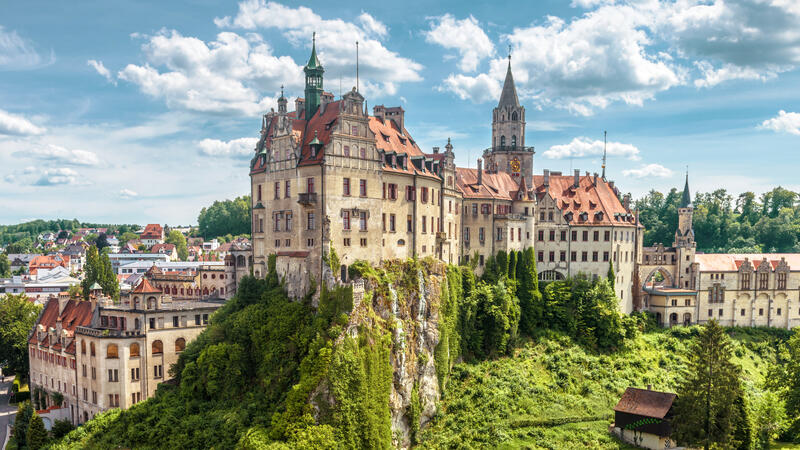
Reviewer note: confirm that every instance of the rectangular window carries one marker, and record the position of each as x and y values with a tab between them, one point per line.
346	242
499	236
354	130
486	208
541	235
346	220
606	236
383	221
562	256
552	256
745	281
392	191
552	235
760	311
363	153
778	311
197	319
158	371
409	224
710	313
94	397
594	256
782	280
584	256
474	209
540	256
574	235
424	194
466	235
135	374
605	256
347	150
363	242
277	190
596	236
85	395
573	256
259	192
424	225
346	187
362	220
481	235
205	319
175	321
763	280
152	323
585	236
310	185
362	188
287	189
392	223
310	221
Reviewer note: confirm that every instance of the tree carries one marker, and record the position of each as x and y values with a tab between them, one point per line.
769	417
177	238
612	277
530	299
37	434
21	422
58	398
127	236
101	242
108	279
228	216
61	428
17	317
5	266
705	410
784	380
22	246
97	269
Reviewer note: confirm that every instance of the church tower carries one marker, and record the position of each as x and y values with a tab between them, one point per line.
685	246
684	235
508	152
314	73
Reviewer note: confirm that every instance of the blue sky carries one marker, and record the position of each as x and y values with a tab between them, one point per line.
147	111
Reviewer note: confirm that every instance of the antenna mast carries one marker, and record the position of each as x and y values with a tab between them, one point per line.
605	143
357	66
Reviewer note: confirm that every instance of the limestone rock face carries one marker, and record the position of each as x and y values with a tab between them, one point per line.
408	309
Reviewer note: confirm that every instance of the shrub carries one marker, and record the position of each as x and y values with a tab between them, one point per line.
37	434
61	428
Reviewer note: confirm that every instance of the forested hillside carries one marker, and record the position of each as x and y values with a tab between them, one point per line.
722	223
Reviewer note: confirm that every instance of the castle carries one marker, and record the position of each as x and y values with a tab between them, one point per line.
331	178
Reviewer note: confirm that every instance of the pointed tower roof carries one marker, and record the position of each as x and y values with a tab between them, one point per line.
686	198
509	95
313	61
145	287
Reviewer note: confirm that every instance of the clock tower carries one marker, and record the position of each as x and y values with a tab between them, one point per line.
508	152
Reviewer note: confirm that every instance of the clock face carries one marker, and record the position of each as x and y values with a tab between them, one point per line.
515	166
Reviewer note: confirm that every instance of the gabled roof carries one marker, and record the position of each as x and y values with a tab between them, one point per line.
77	313
586	198
495	185
644	402
730	262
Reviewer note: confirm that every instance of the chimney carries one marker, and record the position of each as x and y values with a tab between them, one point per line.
546	182
594	180
626	202
379	112
480	171
299	105
435	150
62	303
576	179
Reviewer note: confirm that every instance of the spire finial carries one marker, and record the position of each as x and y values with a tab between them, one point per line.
356	66
605	143
281	90
314	38
509	52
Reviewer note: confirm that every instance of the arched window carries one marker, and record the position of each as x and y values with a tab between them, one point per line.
180	344
112	351
502	141
174	290
514	115
91	348
135	324
83	346
158	348
151	303
134	350
514	140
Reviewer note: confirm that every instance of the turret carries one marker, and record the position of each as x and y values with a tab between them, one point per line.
684	235
313	71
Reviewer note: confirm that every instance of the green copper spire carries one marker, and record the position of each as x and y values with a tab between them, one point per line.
314	73
686	198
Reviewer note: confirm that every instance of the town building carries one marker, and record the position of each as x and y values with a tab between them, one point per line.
121	259
153	234
127	348
643	417
333	177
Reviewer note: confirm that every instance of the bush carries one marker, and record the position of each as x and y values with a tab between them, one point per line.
37	434
61	428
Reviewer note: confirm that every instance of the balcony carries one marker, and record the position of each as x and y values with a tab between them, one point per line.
106	332
510	216
441	236
509	148
307	199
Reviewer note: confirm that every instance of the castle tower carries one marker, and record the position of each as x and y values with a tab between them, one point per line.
313	71
508	152
684	244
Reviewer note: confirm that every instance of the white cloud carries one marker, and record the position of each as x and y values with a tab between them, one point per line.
648	170
479	89
58	154
582	147
11	124
336	40
465	36
783	123
223	76
58	176
19	53
237	148
630	50
101	69
128	194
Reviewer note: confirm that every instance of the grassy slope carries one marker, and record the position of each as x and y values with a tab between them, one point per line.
524	401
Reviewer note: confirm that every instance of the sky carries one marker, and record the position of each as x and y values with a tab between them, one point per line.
139	112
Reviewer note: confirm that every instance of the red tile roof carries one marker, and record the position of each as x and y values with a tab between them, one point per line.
144	288
586	198
77	313
730	262
500	185
152	231
162	248
644	402
47	262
